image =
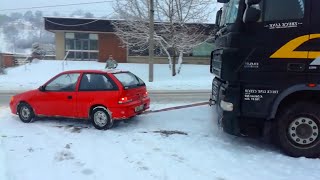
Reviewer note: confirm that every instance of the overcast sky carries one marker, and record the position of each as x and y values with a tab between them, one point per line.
102	9
99	10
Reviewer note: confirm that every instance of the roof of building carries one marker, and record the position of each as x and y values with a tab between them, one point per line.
77	24
92	24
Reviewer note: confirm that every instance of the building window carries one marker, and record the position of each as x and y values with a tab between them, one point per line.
69	35
81	46
93	36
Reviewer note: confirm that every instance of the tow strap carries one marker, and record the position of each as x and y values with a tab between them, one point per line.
177	107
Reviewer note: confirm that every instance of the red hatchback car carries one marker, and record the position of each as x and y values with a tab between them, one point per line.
101	96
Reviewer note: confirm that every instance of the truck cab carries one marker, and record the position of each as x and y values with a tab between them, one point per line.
267	72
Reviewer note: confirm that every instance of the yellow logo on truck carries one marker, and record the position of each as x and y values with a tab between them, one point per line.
288	50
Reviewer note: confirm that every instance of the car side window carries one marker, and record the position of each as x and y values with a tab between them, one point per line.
64	82
96	82
129	80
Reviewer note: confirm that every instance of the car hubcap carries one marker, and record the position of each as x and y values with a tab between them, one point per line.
303	131
100	118
25	113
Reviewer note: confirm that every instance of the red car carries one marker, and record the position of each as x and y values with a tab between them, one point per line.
101	96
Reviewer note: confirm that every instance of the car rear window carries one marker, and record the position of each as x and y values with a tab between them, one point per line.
129	80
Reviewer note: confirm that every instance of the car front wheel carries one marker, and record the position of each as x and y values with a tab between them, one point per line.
298	130
101	119
26	113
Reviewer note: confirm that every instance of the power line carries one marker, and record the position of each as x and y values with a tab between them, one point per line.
60	5
73	25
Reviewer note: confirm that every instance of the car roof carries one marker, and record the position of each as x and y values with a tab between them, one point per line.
111	71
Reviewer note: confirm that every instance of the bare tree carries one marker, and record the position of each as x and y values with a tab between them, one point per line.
1	65
11	35
88	15
178	29
77	13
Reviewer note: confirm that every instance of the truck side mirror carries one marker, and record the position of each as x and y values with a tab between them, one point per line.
218	17
252	2
223	1
251	15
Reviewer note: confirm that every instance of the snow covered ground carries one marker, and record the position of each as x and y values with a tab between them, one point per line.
141	149
192	77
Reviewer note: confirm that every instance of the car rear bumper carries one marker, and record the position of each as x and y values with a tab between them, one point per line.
128	110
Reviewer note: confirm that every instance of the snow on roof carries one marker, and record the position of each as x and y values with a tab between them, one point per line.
112	71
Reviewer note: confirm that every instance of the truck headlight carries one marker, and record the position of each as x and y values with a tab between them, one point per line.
226	106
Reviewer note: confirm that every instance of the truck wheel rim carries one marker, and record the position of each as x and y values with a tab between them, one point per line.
303	131
25	113
100	118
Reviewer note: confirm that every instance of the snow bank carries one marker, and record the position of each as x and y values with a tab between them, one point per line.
192	77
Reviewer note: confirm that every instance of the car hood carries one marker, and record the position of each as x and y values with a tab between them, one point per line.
26	94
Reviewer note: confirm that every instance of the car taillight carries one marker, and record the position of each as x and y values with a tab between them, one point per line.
145	94
124	100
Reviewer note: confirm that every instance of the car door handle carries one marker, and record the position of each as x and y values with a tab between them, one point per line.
69	97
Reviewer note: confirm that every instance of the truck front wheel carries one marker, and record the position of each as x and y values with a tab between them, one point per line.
298	130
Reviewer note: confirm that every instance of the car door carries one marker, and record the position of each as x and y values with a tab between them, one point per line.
59	97
96	89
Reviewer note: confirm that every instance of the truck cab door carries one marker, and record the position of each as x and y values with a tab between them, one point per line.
283	28
276	60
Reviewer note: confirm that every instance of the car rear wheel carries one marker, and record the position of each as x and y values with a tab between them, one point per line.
101	119
298	130
26	113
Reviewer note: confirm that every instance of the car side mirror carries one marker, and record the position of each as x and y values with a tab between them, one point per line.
42	88
251	14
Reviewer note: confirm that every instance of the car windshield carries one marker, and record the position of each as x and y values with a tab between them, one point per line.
128	79
230	12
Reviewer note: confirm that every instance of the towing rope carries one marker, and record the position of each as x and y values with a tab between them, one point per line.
177	107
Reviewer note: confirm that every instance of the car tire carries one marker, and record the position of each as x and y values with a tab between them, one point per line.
25	112
297	130
101	119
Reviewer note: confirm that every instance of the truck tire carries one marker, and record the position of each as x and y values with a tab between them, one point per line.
297	130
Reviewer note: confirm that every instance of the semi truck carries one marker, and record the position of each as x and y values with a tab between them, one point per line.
267	72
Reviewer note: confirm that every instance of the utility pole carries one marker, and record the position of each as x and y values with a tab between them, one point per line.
1	64
151	40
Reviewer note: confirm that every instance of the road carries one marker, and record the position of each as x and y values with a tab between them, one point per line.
156	96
